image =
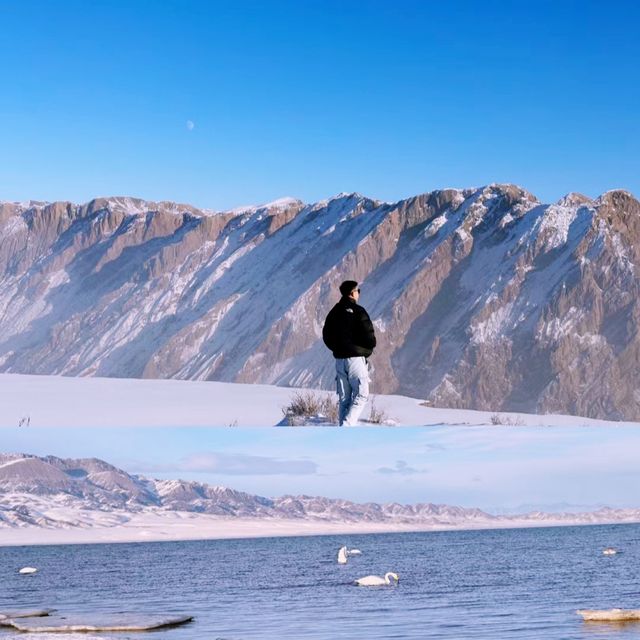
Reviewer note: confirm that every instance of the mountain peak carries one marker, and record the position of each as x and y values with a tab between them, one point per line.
273	206
574	199
616	197
512	192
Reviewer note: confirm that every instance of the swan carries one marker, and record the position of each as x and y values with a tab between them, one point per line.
354	552
377	581
26	570
342	555
609	551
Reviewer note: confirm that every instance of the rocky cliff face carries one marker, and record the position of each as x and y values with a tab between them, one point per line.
482	298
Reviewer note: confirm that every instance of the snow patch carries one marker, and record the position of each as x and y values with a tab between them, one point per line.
279	204
621	254
226	264
493	328
58	278
506	220
13	226
554	225
475	213
447	388
380	324
434	226
557	328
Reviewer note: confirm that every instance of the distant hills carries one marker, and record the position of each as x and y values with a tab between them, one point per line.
482	298
51	492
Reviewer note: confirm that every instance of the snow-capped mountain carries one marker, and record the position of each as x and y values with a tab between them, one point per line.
482	298
62	493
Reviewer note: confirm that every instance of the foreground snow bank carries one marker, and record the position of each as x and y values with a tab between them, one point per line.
55	401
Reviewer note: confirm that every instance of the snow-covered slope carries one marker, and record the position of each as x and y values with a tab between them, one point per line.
482	298
57	401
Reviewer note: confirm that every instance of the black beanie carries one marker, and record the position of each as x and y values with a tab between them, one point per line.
347	287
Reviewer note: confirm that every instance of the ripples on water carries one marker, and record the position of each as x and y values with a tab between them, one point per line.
524	583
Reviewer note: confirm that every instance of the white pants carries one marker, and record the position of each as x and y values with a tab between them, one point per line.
352	377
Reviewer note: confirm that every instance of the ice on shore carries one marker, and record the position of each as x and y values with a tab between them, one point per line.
86	623
24	613
609	615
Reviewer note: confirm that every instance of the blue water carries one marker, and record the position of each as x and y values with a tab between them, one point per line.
524	583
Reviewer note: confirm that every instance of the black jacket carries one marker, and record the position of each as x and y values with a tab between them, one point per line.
348	331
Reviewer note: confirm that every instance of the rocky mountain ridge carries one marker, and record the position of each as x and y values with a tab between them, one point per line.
482	298
43	491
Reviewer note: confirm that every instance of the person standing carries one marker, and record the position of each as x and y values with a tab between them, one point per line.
349	333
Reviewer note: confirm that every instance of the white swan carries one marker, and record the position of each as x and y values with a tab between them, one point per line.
342	555
354	552
377	581
609	551
26	570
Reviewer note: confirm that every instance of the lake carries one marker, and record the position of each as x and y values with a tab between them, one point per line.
517	583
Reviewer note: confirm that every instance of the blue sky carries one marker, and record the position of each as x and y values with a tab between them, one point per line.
312	98
488	468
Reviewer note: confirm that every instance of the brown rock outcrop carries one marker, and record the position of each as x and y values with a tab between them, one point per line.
482	298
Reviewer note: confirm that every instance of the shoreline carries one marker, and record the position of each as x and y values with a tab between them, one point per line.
156	529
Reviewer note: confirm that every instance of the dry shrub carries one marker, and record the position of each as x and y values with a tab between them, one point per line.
377	416
308	405
509	421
